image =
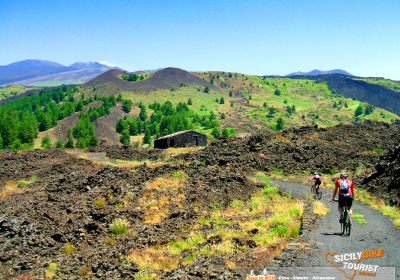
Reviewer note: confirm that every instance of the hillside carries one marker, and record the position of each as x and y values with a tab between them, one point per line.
314	102
13	90
381	94
165	79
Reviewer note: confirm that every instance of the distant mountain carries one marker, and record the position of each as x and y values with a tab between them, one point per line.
26	70
316	72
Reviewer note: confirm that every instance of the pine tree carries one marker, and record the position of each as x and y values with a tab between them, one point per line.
215	132
359	111
278	92
125	139
190	101
120	125
207	89
279	125
1	142
147	136
46	142
265	105
93	141
143	114
69	144
127	105
230	94
59	144
223	116
222	101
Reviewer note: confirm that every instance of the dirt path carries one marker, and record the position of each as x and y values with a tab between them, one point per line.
378	233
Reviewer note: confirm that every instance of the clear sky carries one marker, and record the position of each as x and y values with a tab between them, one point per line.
252	37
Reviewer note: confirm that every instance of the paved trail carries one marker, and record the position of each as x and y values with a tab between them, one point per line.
379	233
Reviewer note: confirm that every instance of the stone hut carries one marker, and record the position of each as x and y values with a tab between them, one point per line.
187	138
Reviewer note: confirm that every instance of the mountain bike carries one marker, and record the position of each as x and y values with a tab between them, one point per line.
318	191
345	225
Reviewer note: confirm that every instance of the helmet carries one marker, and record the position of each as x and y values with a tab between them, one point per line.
316	173
343	176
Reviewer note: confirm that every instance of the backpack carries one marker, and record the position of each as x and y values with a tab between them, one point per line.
317	179
344	186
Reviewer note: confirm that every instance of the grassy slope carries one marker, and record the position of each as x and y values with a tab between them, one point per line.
55	83
314	101
11	90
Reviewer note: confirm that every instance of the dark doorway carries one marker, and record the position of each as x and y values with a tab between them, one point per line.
195	141
171	143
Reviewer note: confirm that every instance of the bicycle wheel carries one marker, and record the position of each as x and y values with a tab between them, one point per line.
319	192
344	221
348	225
312	190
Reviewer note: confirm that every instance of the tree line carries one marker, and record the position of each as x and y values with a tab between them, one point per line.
22	119
166	119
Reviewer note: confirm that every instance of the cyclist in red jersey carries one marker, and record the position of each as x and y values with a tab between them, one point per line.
317	179
346	195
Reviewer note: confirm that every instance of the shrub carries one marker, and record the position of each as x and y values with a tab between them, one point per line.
69	248
119	226
100	201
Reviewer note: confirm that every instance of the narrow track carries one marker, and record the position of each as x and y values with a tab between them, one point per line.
378	233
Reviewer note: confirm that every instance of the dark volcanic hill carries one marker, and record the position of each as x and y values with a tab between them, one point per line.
373	94
163	79
316	72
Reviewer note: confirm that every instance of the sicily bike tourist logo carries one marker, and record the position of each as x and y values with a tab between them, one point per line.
351	265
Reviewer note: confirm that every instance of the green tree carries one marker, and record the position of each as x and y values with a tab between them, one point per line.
225	131
216	133
46	142
278	92
293	109
207	89
216	100
125	139
190	101
265	105
69	144
279	125
334	105
285	101
222	101
223	116
143	114
230	93
147	136
249	97
346	105
359	111
1	142
369	109
127	105
93	141
59	144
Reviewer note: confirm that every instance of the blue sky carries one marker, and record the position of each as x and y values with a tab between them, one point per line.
252	37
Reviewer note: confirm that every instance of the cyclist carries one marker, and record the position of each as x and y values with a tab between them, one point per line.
317	179
346	195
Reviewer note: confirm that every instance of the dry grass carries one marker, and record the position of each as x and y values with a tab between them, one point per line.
10	188
379	204
159	194
176	151
320	208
